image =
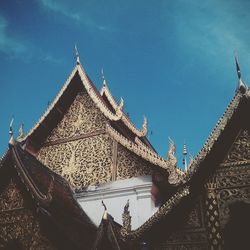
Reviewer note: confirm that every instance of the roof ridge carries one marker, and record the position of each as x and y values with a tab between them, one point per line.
29	183
97	98
158	215
214	135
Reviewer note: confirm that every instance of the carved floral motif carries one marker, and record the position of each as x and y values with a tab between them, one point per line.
130	165
82	117
82	162
21	226
18	223
11	197
240	150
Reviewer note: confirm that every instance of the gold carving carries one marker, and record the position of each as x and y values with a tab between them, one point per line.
82	162
82	117
130	165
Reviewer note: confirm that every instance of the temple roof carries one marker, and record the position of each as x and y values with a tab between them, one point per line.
52	196
120	127
212	154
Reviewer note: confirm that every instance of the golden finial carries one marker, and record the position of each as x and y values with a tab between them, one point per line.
20	133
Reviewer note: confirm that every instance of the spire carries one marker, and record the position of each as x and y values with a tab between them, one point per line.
241	85
77	56
12	140
185	156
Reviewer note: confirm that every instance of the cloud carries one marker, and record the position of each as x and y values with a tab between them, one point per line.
59	8
8	44
213	28
52	59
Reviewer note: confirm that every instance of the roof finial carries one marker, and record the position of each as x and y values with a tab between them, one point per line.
105	214
103	78
241	85
20	133
126	218
185	156
12	140
77	56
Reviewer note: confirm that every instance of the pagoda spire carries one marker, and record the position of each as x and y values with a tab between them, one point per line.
241	85
185	156
77	55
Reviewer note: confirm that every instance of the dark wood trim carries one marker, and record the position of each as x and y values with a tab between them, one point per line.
74	138
114	160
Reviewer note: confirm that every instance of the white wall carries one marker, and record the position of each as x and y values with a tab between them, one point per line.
115	195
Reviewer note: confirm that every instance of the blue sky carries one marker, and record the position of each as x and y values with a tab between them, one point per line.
172	61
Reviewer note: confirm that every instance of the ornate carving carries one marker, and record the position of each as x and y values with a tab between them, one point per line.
228	196
130	165
171	158
18	223
212	216
233	177
240	150
126	218
82	162
21	226
11	197
82	117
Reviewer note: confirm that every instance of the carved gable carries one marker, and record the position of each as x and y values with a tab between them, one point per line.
240	150
83	117
82	162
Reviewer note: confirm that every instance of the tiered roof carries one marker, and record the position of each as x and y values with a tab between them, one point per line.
120	126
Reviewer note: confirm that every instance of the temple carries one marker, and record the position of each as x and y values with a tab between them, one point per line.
85	177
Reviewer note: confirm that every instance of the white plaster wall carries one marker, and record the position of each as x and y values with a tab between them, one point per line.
115	195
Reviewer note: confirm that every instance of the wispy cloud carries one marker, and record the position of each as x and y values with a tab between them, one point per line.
52	59
212	28
59	8
9	45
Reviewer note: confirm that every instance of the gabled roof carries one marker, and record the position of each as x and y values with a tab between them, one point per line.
52	197
241	98
120	128
212	154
